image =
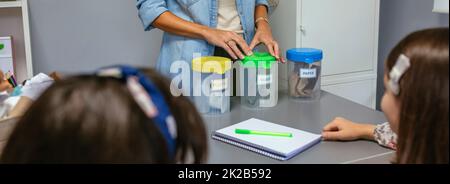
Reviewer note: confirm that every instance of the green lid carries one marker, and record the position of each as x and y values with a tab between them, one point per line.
2	46
264	59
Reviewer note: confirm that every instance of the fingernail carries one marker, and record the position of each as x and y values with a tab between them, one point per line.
250	53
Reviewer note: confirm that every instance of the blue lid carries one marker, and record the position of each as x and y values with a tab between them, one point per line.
306	55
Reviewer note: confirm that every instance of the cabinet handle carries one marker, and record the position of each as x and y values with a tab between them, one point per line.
302	29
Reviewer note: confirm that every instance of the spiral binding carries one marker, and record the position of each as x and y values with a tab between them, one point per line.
256	150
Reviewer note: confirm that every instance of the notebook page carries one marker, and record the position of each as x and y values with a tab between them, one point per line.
281	145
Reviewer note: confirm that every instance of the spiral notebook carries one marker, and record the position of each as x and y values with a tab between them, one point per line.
280	148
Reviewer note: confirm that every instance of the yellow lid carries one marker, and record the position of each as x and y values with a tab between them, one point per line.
211	64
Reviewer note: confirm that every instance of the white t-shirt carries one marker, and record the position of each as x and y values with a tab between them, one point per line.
228	18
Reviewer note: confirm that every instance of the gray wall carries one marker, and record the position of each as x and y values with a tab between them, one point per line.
82	35
398	19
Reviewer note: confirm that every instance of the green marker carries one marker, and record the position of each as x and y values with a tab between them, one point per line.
253	132
2	46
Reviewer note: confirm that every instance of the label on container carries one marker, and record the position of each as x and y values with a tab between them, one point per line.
308	73
264	79
216	100
219	84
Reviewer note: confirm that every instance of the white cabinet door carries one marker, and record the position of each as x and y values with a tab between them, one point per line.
361	92
347	31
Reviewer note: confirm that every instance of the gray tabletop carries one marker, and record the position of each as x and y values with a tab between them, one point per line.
307	116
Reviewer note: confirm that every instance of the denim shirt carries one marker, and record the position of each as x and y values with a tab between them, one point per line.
204	12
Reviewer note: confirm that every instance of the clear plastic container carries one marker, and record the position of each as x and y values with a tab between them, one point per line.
211	95
259	81
305	67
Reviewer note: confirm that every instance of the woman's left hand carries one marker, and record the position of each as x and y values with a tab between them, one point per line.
264	35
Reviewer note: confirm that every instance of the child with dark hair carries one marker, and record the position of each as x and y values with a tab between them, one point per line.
119	115
415	102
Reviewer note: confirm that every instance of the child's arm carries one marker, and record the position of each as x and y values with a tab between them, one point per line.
341	129
31	91
385	136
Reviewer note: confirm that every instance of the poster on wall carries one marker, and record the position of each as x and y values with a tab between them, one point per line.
6	54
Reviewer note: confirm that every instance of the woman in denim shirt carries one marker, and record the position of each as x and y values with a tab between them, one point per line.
193	26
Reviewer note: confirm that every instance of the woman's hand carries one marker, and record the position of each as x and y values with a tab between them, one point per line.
264	34
231	42
341	129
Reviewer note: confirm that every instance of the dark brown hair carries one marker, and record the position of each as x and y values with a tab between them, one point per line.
90	119
424	97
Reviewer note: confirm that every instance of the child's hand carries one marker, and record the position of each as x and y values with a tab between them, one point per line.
341	129
4	84
56	76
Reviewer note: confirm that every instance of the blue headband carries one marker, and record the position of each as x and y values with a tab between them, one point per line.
149	98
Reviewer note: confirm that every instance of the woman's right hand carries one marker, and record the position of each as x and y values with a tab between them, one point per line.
341	129
230	41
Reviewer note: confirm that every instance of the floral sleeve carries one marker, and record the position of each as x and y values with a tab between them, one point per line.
385	136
